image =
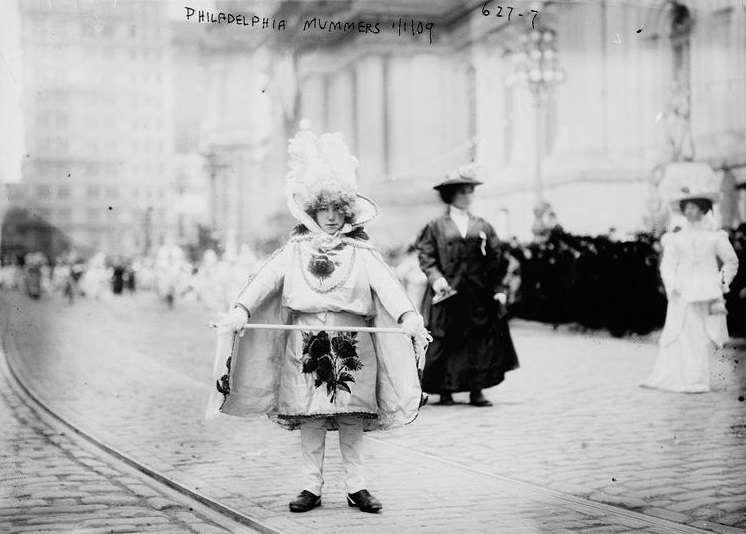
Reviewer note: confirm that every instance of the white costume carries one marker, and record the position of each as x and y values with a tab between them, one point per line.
310	379
695	319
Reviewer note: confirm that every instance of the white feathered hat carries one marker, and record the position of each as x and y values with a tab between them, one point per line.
323	167
689	180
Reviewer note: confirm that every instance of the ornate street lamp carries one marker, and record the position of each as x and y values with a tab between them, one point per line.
536	64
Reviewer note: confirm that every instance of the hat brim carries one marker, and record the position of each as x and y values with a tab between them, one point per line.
364	211
457	181
678	199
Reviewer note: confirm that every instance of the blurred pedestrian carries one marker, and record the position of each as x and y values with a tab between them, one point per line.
736	297
169	271
411	276
68	272
130	277
695	319
117	276
465	308
96	277
209	285
326	275
33	264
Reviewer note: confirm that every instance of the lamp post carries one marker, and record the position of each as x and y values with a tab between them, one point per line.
536	64
214	165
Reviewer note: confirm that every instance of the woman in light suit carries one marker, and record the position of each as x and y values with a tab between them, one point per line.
695	319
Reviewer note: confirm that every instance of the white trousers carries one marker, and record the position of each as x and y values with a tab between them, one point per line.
313	443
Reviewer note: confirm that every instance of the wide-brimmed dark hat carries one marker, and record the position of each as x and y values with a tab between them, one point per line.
464	175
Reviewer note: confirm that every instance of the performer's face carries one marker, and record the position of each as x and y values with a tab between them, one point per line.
692	212
330	219
463	197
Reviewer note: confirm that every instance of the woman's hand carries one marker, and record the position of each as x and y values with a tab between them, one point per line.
500	297
413	324
233	320
441	285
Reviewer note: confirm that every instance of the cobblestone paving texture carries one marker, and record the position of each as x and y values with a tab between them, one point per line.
52	481
572	419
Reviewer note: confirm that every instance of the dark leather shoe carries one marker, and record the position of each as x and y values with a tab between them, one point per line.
446	399
305	501
479	400
365	501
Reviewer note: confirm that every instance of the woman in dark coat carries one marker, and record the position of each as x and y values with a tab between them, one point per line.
465	306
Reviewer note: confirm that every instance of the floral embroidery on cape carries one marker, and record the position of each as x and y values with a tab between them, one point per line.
331	361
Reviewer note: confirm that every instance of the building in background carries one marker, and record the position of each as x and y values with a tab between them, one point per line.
140	124
98	123
413	111
11	116
226	119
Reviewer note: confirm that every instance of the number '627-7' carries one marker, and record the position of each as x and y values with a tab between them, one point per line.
507	11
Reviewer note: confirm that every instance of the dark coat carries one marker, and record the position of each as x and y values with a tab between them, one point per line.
471	347
472	266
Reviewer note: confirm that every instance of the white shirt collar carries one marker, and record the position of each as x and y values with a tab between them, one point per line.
458	212
460	218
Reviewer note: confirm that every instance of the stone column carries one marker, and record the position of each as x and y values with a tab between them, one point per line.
370	127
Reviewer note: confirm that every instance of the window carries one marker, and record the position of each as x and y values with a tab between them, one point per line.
63	215
43	191
681	31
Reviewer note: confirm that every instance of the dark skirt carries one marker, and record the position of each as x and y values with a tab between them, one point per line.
469	360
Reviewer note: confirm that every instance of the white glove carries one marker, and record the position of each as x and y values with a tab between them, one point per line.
414	326
233	320
502	298
440	285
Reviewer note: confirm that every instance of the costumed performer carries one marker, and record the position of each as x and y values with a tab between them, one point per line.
326	275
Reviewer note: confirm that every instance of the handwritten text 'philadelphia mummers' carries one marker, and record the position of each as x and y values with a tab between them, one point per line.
399	27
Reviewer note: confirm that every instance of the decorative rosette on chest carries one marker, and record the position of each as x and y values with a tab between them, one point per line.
323	269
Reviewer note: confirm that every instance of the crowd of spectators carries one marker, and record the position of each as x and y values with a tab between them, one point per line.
735	300
590	282
598	282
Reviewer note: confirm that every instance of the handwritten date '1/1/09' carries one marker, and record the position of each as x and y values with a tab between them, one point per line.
507	11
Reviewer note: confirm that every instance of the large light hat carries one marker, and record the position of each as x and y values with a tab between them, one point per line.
689	180
464	175
322	166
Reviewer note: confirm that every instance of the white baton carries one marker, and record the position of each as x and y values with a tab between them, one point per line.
371	329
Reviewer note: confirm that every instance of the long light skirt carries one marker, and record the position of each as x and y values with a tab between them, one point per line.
683	363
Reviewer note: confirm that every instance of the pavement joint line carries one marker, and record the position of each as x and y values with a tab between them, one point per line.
671	526
33	401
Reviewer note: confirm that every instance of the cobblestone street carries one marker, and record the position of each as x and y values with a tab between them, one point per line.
52	481
571	445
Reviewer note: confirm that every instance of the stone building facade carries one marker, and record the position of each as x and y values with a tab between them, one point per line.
413	111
